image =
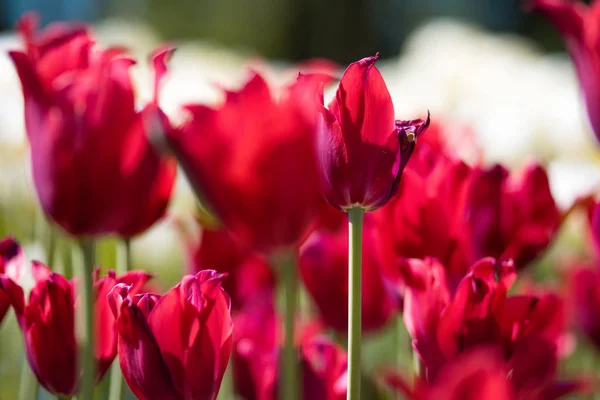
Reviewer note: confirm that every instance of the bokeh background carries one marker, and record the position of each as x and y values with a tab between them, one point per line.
485	66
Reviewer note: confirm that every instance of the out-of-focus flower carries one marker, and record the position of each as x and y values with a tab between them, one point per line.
480	373
324	270
11	265
492	213
584	296
362	148
257	340
248	272
578	25
47	320
526	329
253	161
176	346
95	171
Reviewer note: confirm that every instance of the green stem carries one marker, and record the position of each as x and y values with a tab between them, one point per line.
124	264
28	386
290	388
61	397
87	338
51	247
355	228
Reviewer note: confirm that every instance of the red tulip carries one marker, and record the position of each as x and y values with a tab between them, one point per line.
324	270
584	299
253	162
257	340
444	325
176	346
248	272
492	213
47	321
578	24
481	373
94	170
11	265
362	148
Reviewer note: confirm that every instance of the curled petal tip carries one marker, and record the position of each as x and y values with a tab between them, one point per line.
28	24
160	57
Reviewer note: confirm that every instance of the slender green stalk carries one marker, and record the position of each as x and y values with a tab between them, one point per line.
28	386
59	397
87	337
355	228
124	264
286	263
50	246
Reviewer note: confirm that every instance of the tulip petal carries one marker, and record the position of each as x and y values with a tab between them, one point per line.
139	357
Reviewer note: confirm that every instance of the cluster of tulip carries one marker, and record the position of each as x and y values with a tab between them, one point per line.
432	237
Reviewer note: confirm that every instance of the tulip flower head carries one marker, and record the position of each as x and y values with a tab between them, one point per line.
362	148
175	346
94	169
253	161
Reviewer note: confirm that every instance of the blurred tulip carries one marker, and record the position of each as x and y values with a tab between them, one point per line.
525	328
47	321
324	270
481	373
584	296
577	23
362	148
94	169
12	263
253	161
176	346
257	340
493	213
478	374
248	272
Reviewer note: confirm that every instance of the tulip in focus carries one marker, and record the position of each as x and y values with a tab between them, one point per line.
324	270
362	148
94	169
175	346
47	320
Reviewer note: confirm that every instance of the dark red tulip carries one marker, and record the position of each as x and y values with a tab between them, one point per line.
47	320
578	24
481	373
492	213
94	169
257	340
584	296
324	270
248	272
444	325
362	148
12	261
253	161
176	346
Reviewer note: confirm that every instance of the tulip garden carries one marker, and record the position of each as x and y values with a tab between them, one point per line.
322	221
